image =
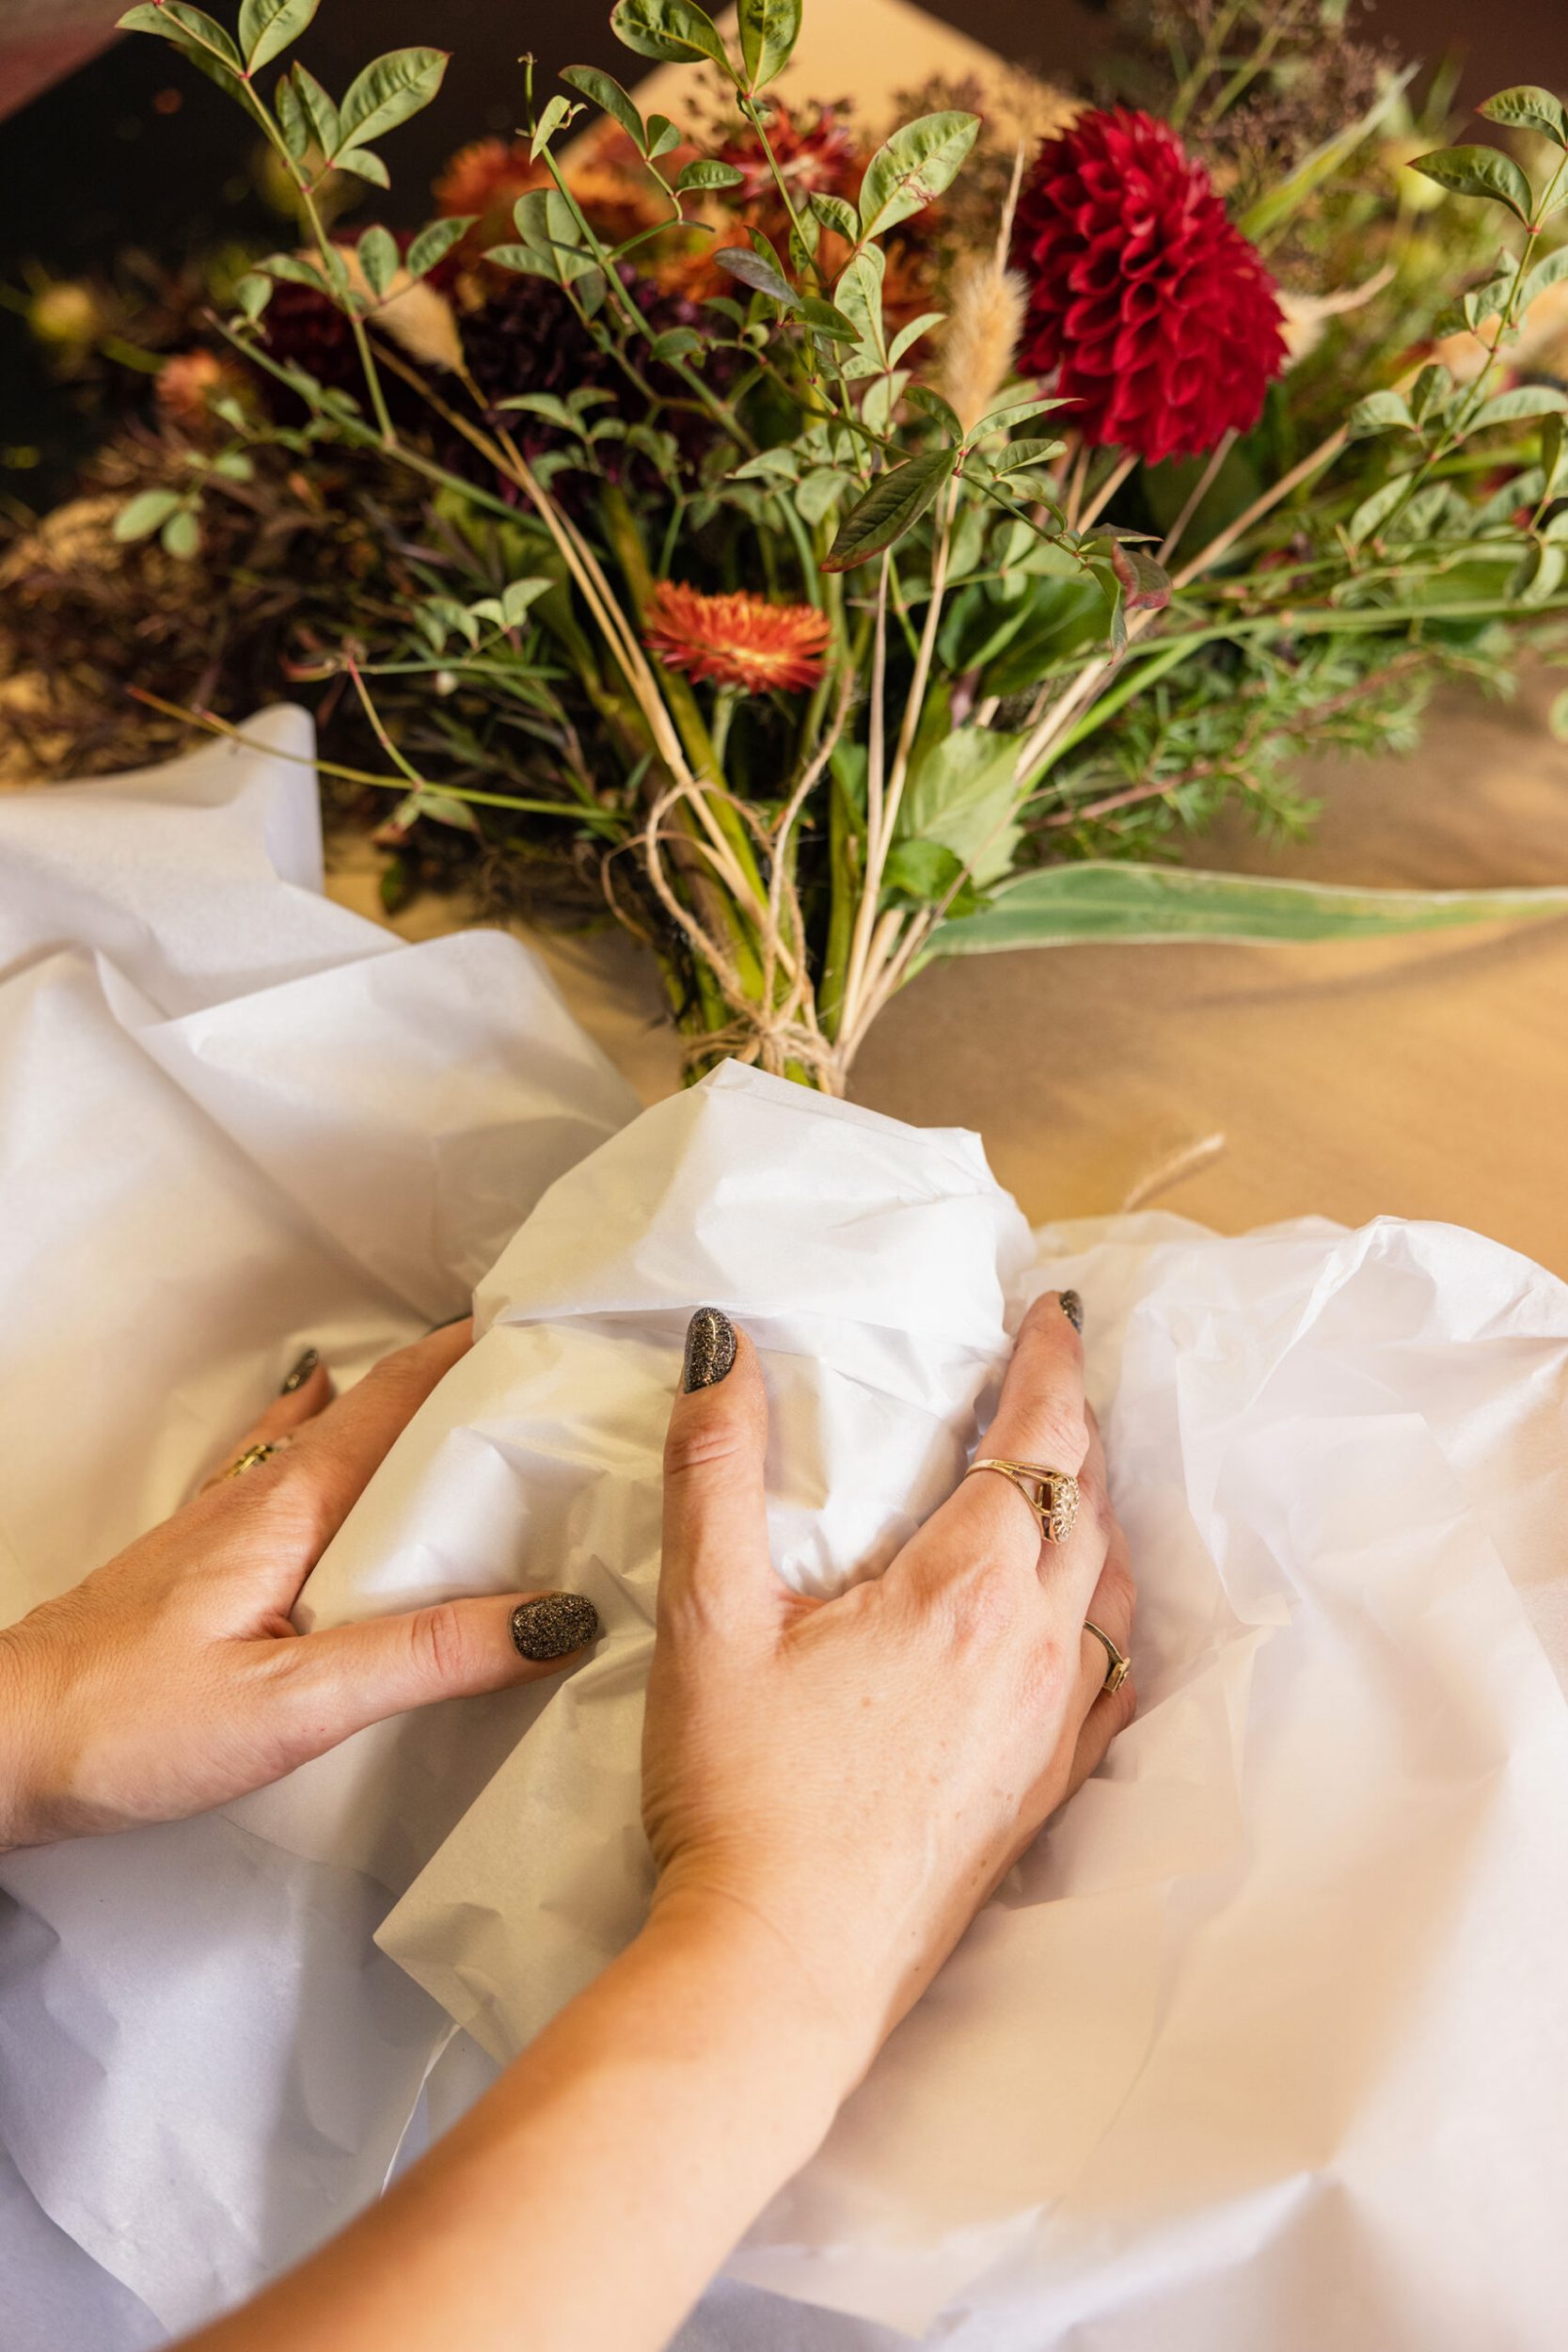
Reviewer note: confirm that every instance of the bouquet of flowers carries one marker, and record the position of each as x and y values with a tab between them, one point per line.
839	565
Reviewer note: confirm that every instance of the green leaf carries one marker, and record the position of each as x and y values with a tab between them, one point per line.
1485	301
292	119
1014	412
548	229
1557	718
662	136
820	492
923	871
324	119
558	111
676	342
442	808
234	465
932	404
858	294
182	534
768	32
436	241
173	17
364	166
1484	172
389	91
1552	441
916	164
531	259
706	171
548	405
1057	905
1430	392
1374	511
1380	412
606	94
511	607
297	272
1527	400
674	30
1026	454
379	259
1540	575
892	504
823	319
963	794
1529	108
755	270
267	27
253	294
1550	272
143	514
781	463
146	19
833	212
910	334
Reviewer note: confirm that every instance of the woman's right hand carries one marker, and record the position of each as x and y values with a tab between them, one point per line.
856	1776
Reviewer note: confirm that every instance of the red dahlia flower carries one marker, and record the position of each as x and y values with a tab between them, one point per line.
737	640
1155	314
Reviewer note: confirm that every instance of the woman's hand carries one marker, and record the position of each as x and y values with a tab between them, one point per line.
831	1790
172	1679
856	1776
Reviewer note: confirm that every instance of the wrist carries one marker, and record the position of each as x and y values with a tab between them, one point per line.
740	1959
22	1716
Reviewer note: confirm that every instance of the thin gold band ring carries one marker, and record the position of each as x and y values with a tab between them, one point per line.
1120	1665
249	1459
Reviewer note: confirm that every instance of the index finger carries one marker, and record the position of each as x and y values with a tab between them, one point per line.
327	1467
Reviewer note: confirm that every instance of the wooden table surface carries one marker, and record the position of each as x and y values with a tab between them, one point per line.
1424	1077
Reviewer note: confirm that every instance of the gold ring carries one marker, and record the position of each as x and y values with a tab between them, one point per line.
249	1459
1120	1665
1051	1494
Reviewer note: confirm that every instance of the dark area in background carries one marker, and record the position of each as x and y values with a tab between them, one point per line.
137	148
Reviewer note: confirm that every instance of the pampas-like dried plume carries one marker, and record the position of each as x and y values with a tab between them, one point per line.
984	321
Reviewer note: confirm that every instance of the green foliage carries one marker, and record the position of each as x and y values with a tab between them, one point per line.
892	506
1146	905
916	165
1031	670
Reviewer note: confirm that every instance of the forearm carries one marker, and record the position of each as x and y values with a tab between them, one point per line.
592	2193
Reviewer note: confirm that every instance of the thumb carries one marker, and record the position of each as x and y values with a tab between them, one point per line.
715	1496
355	1675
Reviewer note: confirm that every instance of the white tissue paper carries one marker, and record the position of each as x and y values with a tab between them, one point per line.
1262	2044
236	1120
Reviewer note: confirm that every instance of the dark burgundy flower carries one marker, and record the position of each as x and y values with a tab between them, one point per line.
1156	316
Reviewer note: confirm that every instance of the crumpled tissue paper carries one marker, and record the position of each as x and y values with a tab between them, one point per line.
1262	2043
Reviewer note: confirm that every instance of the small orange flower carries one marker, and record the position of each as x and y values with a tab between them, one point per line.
736	641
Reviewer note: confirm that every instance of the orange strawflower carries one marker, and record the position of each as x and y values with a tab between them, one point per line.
737	640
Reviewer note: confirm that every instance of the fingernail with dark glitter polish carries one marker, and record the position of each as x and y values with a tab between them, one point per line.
301	1372
1073	1307
553	1624
709	1349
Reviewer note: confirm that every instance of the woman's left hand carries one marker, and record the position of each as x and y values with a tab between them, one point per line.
172	1679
